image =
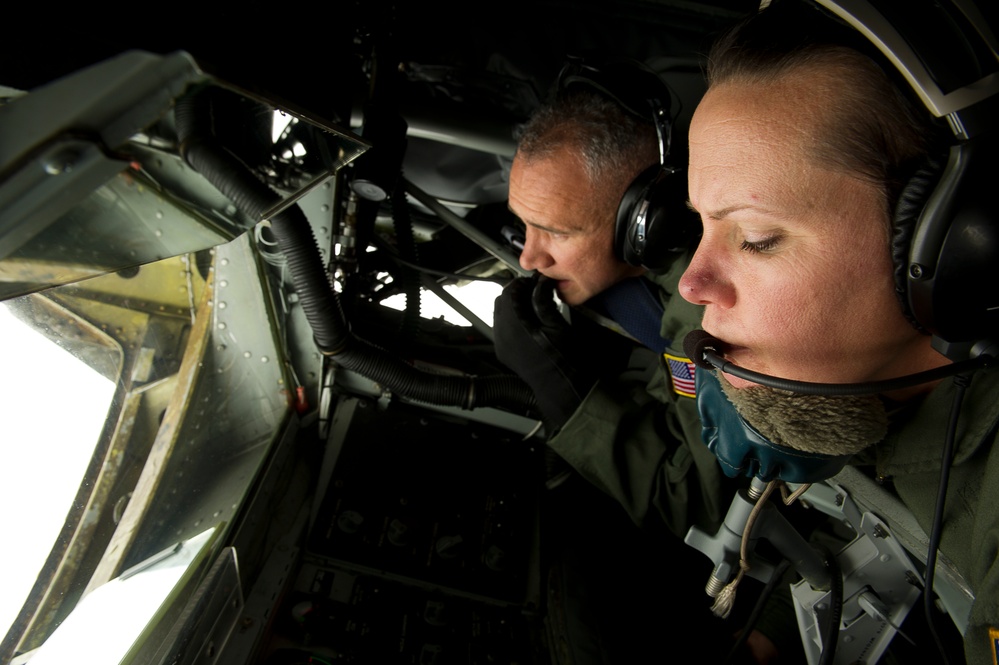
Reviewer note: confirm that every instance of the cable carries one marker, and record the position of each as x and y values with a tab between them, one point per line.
726	597
761	602
768	589
865	388
961	382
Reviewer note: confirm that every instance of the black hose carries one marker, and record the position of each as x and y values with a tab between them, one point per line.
206	155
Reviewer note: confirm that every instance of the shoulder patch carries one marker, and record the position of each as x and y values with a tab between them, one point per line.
994	640
682	372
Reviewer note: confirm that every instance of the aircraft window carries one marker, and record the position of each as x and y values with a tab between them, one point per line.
281	123
199	389
110	621
56	405
476	296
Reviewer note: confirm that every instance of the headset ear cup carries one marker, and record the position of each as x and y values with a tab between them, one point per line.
911	202
629	237
654	224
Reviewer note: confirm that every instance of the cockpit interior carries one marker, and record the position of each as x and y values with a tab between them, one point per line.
272	236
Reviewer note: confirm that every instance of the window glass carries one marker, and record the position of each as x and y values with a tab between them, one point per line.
54	407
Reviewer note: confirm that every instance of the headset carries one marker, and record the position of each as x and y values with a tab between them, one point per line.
945	243
653	224
945	225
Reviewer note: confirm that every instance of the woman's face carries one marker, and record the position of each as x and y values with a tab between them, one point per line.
793	268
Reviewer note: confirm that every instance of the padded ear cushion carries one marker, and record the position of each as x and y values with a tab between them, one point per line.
629	241
955	245
911	202
654	223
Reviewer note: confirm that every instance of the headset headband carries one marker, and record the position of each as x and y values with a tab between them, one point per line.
633	85
963	45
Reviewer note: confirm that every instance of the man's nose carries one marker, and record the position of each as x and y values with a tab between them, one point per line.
534	256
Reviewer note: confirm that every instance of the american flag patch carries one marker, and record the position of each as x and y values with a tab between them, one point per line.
682	371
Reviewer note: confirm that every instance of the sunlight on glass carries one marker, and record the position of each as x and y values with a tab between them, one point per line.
108	621
281	122
54	407
477	297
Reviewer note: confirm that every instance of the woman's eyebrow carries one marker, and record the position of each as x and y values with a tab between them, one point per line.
722	213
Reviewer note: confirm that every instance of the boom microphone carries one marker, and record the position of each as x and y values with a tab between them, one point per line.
703	349
696	343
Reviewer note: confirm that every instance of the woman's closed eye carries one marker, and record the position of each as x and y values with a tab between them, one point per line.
763	245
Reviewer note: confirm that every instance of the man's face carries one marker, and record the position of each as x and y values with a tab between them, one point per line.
570	225
793	268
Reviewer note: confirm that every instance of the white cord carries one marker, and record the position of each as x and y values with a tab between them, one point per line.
725	599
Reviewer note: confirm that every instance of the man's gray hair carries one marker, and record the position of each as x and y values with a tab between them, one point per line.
610	141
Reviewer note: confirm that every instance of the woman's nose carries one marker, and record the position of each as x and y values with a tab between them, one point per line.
704	281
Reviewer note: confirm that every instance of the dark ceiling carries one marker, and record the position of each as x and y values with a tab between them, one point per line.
307	54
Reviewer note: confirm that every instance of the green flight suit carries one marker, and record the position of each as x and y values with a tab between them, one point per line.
907	465
641	442
909	459
638	442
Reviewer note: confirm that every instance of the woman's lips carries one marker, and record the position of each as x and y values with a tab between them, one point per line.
730	354
724	349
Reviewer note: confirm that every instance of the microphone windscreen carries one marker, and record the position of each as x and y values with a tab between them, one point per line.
694	345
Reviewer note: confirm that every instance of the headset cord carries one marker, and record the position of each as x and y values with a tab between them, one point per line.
961	382
830	632
754	616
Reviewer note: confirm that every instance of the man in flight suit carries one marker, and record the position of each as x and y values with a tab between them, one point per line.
577	158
